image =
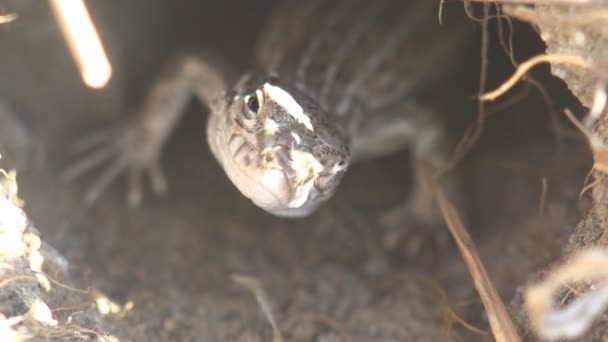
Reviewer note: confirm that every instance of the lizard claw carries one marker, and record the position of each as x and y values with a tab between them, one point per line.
128	150
157	180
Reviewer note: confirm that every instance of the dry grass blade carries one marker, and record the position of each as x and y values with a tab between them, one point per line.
502	327
551	322
253	284
529	64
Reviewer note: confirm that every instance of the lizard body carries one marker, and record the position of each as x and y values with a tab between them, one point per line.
333	82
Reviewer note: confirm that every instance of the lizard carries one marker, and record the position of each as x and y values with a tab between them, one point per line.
332	83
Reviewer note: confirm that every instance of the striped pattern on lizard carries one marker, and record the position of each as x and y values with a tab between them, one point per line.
333	82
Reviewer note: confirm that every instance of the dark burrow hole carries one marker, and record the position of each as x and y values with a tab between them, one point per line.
175	255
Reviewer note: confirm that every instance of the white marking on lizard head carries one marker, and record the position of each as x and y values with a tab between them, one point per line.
296	137
270	126
307	169
291	106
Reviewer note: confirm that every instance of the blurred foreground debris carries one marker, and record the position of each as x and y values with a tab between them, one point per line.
83	41
36	302
571	297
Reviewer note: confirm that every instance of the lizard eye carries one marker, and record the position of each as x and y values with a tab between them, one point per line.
253	104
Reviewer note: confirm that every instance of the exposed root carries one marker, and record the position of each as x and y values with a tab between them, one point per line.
450	314
474	131
529	64
501	324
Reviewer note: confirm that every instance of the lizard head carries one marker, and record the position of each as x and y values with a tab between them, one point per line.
279	148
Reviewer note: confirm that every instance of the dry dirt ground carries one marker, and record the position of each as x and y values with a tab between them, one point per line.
329	277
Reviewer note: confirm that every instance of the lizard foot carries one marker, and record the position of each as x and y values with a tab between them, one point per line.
129	149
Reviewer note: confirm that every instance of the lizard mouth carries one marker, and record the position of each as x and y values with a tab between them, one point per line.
277	179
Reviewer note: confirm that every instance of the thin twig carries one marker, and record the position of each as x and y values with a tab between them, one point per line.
529	64
510	51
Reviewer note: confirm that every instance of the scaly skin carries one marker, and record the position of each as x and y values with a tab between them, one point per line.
333	82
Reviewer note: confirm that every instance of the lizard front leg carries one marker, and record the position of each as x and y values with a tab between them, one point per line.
418	128
136	146
418	217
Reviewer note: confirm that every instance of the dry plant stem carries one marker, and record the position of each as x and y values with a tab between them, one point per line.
529	64
507	46
253	284
502	327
